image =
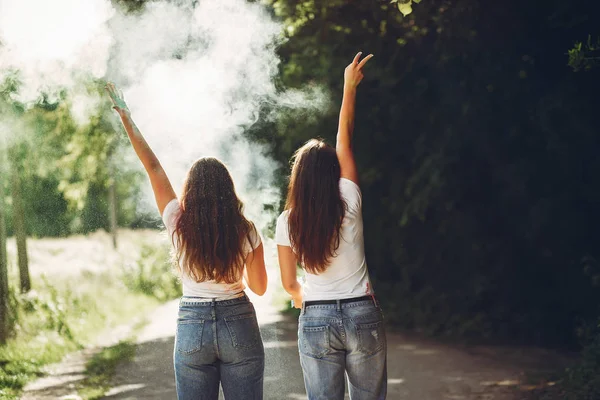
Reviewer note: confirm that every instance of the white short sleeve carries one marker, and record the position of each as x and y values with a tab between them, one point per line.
282	230
351	194
170	215
253	242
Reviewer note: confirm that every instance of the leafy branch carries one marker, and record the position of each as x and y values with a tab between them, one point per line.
405	6
585	56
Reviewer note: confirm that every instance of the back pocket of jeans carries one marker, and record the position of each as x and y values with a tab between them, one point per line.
188	339
314	341
371	337
244	331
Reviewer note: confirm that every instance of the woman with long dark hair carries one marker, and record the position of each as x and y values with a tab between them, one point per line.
340	328
218	340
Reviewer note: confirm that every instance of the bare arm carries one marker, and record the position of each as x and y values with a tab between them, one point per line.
352	77
163	191
255	272
287	265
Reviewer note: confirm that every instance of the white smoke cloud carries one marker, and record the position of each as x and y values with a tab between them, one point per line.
47	41
193	76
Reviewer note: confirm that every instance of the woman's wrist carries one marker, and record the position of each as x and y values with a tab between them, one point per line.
124	112
296	290
349	88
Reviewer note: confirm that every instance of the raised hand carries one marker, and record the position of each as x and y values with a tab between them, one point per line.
353	73
116	96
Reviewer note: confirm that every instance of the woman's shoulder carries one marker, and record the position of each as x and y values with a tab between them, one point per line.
351	194
282	229
172	207
346	183
253	239
170	214
284	215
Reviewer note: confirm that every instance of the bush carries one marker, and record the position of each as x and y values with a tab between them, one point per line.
582	381
153	274
61	316
48	305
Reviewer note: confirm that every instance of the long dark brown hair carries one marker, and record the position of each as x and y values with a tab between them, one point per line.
316	208
211	230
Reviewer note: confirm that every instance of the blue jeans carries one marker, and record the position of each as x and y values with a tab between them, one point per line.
348	338
218	341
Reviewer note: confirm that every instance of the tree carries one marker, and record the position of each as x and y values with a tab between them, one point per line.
10	110
4	295
475	151
18	214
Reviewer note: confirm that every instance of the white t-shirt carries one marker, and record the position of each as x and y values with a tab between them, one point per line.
208	289
347	275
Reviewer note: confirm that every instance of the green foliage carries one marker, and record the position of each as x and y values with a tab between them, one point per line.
405	6
153	274
101	368
66	165
475	154
585	56
582	381
59	317
50	308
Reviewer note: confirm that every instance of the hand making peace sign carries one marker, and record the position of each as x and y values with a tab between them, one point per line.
353	73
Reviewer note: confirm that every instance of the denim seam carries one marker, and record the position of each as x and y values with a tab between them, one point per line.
344	305
221	303
214	324
324	319
238	317
190	321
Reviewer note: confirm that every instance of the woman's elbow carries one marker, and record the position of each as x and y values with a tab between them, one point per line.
259	288
290	287
261	291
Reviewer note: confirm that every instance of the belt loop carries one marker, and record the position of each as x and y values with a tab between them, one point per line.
338	305
303	308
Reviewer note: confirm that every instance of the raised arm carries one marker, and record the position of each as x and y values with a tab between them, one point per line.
163	191
352	77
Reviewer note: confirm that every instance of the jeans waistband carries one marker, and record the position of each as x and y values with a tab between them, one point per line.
203	301
341	301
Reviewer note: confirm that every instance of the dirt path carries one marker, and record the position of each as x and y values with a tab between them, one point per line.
417	369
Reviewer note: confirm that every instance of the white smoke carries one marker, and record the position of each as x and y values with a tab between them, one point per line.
47	41
194	76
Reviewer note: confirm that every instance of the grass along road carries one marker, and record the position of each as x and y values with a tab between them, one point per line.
78	304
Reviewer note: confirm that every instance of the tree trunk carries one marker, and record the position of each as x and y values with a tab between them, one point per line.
112	205
4	299
20	231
